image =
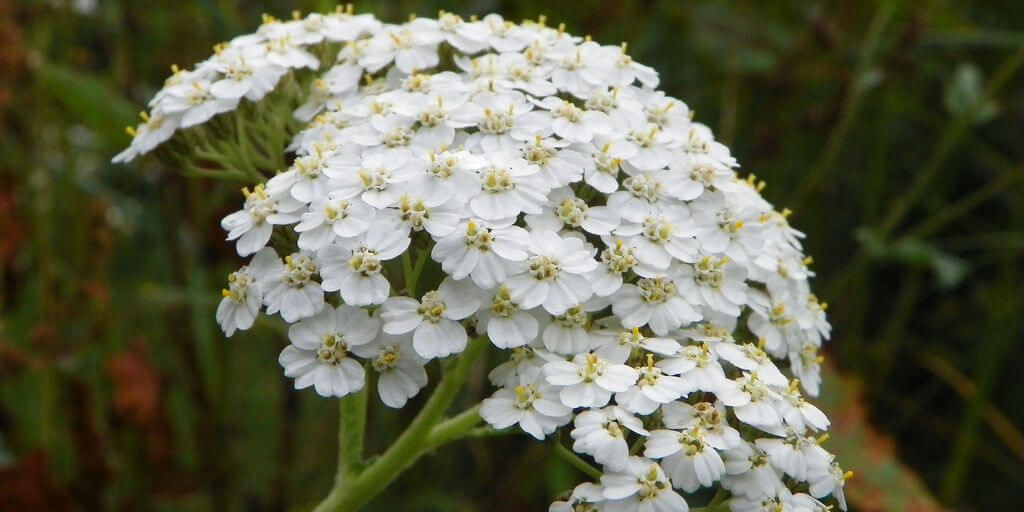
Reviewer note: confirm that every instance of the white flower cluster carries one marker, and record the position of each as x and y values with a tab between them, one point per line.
568	210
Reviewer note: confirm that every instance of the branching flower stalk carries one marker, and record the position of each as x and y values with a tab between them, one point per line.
440	188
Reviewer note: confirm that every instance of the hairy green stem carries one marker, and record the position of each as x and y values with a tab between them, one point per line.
850	106
351	433
425	433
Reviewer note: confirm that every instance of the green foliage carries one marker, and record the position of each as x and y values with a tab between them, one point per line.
892	130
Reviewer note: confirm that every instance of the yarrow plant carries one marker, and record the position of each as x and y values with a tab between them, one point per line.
419	192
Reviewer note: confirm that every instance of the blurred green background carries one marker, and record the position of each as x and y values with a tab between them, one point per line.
893	130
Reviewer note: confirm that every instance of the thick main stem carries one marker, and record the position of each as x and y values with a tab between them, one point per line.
353	490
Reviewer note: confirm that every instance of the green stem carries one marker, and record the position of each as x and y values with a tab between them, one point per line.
576	461
351	434
717	502
410	282
950	138
456	427
350	495
850	106
413	270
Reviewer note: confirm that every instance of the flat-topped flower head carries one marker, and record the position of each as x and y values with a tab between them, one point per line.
440	187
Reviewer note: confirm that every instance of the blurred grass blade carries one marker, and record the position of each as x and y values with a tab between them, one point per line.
88	98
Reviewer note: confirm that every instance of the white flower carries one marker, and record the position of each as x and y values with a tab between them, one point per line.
401	370
355	271
618	344
375	178
564	209
588	380
698	366
641	486
520	360
654	302
688	459
573	123
421	212
770	320
586	497
508	186
662	237
799	413
738	235
749	472
651	144
709	419
438	114
751	358
568	333
643	195
652	390
752	401
532	404
830	480
616	259
504	36
434	320
507	120
243	297
154	130
559	166
327	219
796	455
254	223
449	174
605	159
319	353
719	284
507	325
806	365
195	103
554	277
580	69
624	70
287	52
289	288
246	74
305	179
602	434
486	254
413	48
690	177
467	37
